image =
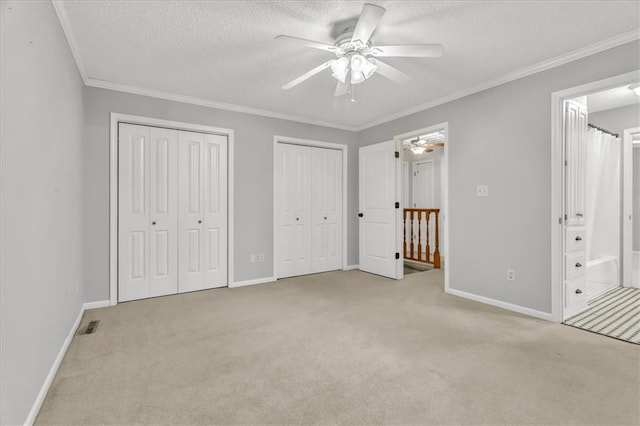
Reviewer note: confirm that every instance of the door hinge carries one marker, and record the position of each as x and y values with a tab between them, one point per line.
397	154
565	217
397	205
565	163
397	255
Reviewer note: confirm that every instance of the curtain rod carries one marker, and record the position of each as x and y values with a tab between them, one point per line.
615	135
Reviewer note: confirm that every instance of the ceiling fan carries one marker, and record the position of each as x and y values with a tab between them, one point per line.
426	143
357	58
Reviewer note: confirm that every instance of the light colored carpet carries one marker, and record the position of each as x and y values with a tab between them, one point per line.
616	314
340	347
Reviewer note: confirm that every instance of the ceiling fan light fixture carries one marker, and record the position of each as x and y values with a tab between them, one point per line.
418	149
340	69
357	77
369	68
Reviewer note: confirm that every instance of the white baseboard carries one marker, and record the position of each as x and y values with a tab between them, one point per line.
500	304
37	404
350	267
252	282
96	305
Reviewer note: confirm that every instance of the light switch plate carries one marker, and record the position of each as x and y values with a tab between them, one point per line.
482	190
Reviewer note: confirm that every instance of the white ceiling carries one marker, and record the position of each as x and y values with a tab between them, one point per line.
612	98
224	51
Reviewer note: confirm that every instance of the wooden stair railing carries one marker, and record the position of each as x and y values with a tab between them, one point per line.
413	247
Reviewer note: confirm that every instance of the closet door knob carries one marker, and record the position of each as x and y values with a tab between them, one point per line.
297	218
579	214
578	238
578	265
199	221
325	218
578	291
360	215
153	223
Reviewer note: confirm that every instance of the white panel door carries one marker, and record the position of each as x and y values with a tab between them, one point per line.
575	139
293	210
163	211
202	184
378	222
326	209
423	185
147	213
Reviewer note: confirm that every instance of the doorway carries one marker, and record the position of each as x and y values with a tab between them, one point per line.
595	259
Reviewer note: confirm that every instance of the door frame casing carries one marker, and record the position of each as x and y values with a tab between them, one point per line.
315	144
115	119
445	194
557	178
628	147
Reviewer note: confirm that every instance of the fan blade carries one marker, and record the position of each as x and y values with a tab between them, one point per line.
341	88
307	75
308	43
410	50
367	23
393	74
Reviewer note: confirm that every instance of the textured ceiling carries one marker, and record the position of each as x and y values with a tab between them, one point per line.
225	51
612	98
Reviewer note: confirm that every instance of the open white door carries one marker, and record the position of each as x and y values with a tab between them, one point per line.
378	214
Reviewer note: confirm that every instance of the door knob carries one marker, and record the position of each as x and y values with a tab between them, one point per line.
578	238
297	218
578	265
578	291
199	221
360	215
325	218
153	223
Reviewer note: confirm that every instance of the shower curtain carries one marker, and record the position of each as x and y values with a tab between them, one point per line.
602	195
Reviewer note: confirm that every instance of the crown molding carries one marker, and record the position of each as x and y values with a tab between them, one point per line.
523	72
102	84
58	6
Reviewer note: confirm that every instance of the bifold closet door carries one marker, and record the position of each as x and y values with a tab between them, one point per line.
326	208
202	211
147	213
293	210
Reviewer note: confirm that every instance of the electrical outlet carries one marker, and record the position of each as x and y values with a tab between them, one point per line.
252	258
261	257
511	275
482	190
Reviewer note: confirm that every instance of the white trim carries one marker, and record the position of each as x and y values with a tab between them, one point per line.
501	304
557	195
101	84
445	192
96	305
252	282
515	75
113	188
71	39
345	178
627	204
351	267
37	404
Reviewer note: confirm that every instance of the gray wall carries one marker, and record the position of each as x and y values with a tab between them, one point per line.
41	212
617	120
501	137
253	178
